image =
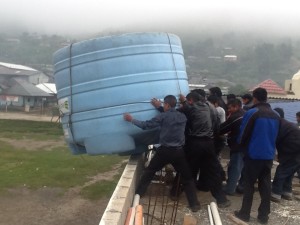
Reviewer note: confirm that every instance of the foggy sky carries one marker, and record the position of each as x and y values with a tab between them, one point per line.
78	17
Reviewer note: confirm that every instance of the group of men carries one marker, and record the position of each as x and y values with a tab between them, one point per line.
190	141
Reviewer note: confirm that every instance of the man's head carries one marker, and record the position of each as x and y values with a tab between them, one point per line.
213	99
215	91
298	117
230	96
234	105
246	98
201	92
170	101
280	112
260	95
193	97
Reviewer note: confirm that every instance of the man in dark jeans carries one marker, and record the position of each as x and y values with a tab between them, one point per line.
258	133
200	145
232	127
288	147
172	139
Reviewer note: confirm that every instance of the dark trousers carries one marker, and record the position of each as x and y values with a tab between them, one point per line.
282	182
257	170
201	156
175	157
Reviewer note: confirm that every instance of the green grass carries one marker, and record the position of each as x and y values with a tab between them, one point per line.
20	129
56	168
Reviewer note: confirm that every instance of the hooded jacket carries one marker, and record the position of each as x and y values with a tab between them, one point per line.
288	141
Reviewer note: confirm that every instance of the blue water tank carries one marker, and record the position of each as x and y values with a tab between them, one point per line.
99	80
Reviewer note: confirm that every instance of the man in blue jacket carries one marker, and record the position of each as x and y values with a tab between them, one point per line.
258	133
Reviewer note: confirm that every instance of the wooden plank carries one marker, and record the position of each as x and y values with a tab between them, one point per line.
236	220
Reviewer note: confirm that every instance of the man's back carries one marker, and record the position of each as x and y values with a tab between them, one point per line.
199	120
259	131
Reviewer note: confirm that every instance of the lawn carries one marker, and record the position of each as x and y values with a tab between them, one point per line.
37	168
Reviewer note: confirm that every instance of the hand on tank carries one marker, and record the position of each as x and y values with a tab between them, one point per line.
182	98
127	117
155	102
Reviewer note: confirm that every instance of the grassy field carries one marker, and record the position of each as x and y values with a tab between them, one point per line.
36	168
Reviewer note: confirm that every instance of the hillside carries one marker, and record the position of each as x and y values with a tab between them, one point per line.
257	58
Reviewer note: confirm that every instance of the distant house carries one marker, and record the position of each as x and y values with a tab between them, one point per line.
22	93
292	87
273	89
287	98
17	86
8	71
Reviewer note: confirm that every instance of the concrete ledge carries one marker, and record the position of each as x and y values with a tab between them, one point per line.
121	200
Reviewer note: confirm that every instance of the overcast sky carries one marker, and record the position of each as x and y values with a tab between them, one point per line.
94	16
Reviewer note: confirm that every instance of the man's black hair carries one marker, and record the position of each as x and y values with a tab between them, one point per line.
234	102
201	92
247	96
231	96
298	114
171	100
213	99
194	96
280	112
216	91
260	94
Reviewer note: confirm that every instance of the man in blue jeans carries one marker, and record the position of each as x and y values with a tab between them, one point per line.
232	127
172	139
258	134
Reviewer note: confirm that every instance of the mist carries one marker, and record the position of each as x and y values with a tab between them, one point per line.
90	17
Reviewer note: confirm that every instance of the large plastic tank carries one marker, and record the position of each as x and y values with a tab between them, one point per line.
100	79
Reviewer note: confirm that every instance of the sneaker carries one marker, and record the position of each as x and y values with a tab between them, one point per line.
195	208
225	204
275	198
240	216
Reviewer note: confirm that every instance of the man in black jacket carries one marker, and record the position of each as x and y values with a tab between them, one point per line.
288	147
200	145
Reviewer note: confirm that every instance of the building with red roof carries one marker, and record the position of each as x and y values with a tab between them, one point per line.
273	89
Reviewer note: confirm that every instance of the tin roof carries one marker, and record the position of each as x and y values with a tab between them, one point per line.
16	66
290	108
9	69
47	87
24	88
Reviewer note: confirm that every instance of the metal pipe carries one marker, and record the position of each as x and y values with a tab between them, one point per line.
211	221
215	213
135	203
136	200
